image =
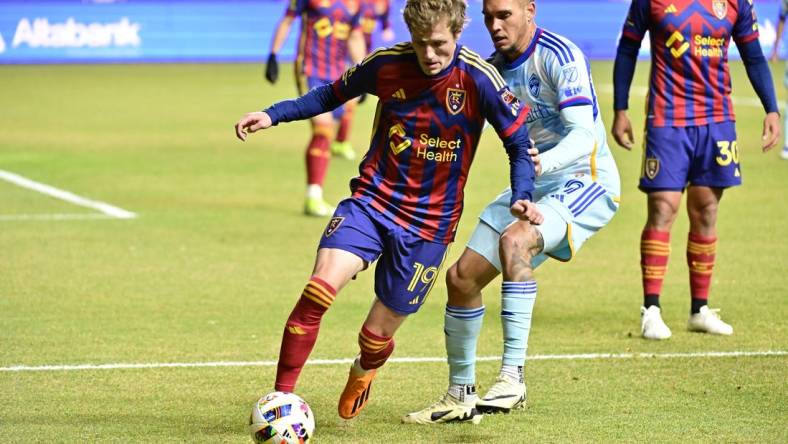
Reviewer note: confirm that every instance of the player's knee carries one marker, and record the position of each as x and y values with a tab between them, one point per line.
521	241
703	216
459	285
661	217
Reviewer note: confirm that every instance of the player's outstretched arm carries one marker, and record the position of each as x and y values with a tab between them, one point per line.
526	210
622	130
252	122
771	131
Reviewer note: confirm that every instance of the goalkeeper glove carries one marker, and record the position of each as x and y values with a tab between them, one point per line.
272	69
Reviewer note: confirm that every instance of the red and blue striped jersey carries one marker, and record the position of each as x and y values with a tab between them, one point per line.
690	83
325	28
372	13
425	134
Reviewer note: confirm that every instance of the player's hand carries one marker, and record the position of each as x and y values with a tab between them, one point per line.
622	130
527	210
771	131
534	153
387	35
272	69
252	122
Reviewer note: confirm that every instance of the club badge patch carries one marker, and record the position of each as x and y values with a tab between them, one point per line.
534	85
651	167
455	100
570	74
720	8
333	225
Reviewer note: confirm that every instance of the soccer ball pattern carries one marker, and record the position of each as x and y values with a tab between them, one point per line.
281	418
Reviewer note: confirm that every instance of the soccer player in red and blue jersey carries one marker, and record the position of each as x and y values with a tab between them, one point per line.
690	134
330	34
434	96
372	12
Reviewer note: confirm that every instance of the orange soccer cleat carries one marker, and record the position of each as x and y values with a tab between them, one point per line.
356	393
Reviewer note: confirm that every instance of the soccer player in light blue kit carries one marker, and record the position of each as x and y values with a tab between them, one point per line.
780	28
577	191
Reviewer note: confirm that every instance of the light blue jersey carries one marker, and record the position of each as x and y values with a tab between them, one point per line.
550	76
579	182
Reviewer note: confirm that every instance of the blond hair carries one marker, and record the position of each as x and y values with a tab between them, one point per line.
423	15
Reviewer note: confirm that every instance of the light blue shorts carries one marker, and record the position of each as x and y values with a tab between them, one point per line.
574	209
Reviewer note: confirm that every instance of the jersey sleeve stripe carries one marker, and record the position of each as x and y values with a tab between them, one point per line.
575	101
632	36
516	125
545	44
394	50
561	44
748	38
484	67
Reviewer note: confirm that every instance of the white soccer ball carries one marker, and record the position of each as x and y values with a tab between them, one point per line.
281	417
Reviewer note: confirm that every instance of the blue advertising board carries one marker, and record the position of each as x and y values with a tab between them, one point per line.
112	31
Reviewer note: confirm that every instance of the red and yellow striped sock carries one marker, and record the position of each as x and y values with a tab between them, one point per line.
701	253
375	350
301	331
318	154
654	255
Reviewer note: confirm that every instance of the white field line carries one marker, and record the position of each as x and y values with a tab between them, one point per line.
584	356
55	216
642	91
65	195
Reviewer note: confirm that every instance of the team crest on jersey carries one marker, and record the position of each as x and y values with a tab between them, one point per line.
534	85
570	74
720	8
651	168
333	225
455	100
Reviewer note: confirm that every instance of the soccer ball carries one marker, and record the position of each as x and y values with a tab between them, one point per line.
281	417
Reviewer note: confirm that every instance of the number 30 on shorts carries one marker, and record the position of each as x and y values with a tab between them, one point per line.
729	152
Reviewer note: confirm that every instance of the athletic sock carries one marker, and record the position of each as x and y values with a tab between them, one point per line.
463	392
317	158
513	372
650	299
654	255
697	304
375	350
517	305
344	127
701	253
346	121
461	327
300	333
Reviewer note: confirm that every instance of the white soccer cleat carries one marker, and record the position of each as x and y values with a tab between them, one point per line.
446	409
506	394
651	324
708	321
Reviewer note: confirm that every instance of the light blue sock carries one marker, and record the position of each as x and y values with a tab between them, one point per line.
517	304
461	326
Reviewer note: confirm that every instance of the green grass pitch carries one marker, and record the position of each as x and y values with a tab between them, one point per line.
220	251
